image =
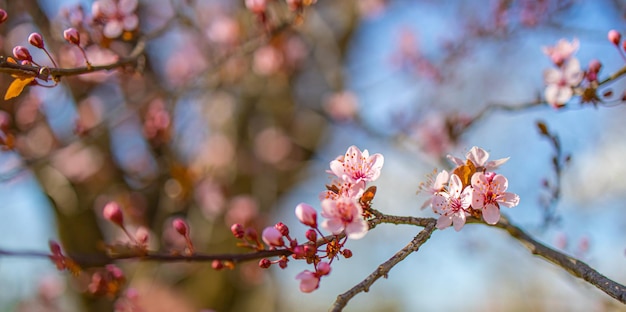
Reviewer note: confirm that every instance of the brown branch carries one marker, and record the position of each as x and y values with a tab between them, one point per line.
383	269
572	265
154	256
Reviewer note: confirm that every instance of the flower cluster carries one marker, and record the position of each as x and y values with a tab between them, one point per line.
344	207
568	74
472	189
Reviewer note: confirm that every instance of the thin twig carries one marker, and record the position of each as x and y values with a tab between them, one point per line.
383	269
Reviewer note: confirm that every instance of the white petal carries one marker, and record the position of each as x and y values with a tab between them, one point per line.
509	199
478	156
444	222
113	29
491	214
356	229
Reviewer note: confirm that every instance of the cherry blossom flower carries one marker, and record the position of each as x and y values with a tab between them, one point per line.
488	192
309	281
117	16
357	166
478	157
453	204
344	214
435	186
340	188
560	82
562	51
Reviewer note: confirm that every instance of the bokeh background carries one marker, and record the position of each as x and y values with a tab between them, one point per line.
223	123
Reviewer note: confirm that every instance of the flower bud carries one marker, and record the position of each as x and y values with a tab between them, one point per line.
113	213
180	226
21	53
256	6
265	263
237	230
298	252
142	235
309	250
347	253
282	228
323	268
311	235
594	65
308	281
251	234
306	214
614	37
71	35
282	263
272	237
36	40
217	265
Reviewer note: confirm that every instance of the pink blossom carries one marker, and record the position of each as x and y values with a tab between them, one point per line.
489	191
562	51
341	106
117	16
309	281
339	188
273	237
478	157
560	82
435	186
357	166
452	205
306	214
344	214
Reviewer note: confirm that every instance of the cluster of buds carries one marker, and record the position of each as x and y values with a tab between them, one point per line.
345	206
472	189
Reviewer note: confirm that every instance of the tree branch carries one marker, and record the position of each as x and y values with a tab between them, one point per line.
383	269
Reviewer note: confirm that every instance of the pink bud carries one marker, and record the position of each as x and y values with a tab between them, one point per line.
180	226
306	214
282	263
309	250
265	263
256	6
311	235
594	65
237	230
21	53
217	265
3	16
36	40
71	35
323	268
308	281
282	228
614	36
298	252
113	213
273	237
251	234
142	235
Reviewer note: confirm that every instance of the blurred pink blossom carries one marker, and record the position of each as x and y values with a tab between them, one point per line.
341	106
117	16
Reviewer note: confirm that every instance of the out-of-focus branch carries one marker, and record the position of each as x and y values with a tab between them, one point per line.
572	265
383	269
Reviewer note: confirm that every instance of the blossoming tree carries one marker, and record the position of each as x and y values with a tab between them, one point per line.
164	135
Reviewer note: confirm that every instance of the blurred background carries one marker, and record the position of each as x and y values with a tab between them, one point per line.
235	111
